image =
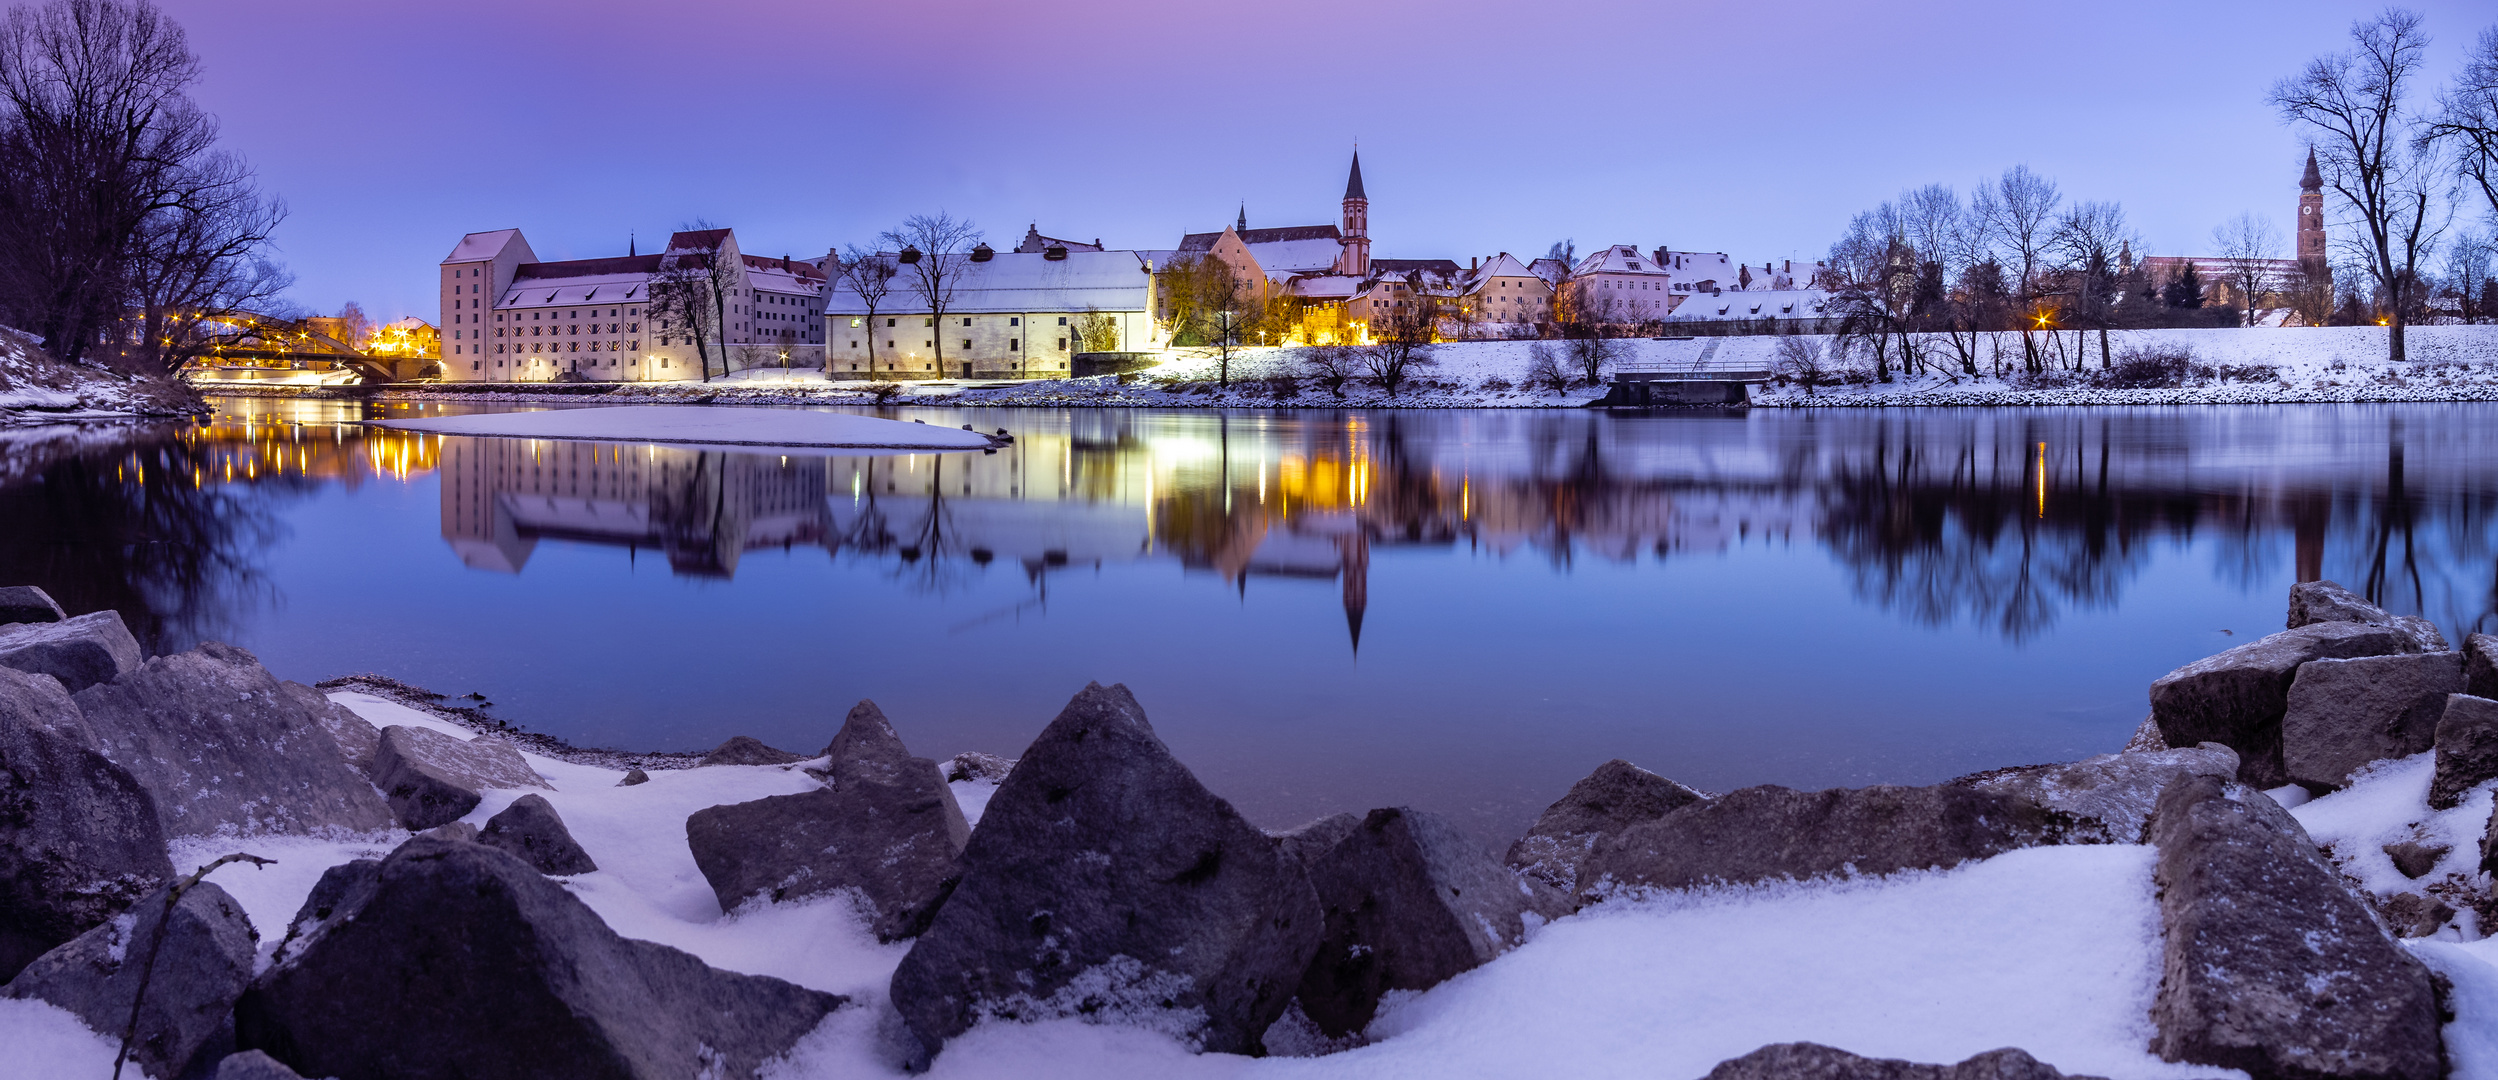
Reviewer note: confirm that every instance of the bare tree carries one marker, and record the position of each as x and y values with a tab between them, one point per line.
1545	367
936	252
1096	331
2248	246
1220	297
2467	119
2024	205
120	221
689	294
1401	341
2355	104
1555	270
1800	358
869	277
2087	241
1330	366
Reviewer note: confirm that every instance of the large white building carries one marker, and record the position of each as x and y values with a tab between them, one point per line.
507	317
1011	314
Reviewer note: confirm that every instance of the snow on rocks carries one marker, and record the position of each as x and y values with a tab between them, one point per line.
1409	902
2467	749
2480	665
81	652
2115	790
37	388
254	1065
459	960
225	750
79	836
1105	881
746	750
2324	601
2271	965
885	828
697	426
431	777
2343	714
2237	697
196	960
1614	797
28	604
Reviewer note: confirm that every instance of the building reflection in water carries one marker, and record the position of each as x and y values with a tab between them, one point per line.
2001	519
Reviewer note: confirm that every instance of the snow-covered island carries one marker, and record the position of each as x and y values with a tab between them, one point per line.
2285	874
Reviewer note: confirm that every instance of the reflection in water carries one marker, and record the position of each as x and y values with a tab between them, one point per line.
2004	520
168	523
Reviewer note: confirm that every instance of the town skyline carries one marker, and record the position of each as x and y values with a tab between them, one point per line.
1459	172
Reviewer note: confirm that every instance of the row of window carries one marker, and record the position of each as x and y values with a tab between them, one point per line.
612	346
550	331
1011	320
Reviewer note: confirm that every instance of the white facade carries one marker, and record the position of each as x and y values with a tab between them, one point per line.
1012	315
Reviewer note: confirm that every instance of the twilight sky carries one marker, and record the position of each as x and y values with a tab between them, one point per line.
391	128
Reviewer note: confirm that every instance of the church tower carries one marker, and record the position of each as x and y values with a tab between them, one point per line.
1356	257
2312	259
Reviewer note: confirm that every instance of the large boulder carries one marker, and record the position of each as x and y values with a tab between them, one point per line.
531	829
746	750
886	827
1106	881
2480	665
254	1065
81	652
79	837
201	965
226	750
2467	749
2343	714
28	604
1769	832
2116	790
1813	1061
454	960
1614	797
1409	901
2236	698
431	778
356	736
2270	964
2314	602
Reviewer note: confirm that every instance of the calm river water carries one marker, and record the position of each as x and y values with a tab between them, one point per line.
1463	611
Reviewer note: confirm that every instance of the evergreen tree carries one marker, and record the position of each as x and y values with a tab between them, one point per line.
2185	290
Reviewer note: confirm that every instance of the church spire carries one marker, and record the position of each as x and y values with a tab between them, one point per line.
1354	260
1243	225
2311	180
1353	183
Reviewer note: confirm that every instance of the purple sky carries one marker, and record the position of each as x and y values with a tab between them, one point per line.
1486	125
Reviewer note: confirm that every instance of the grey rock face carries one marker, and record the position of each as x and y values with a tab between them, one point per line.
1105	880
201	967
81	652
2236	698
2146	739
356	736
28	604
431	778
460	961
2270	964
79	838
745	750
2414	915
2117	790
887	827
530	828
2467	749
2412	858
2343	714
1812	1061
254	1065
632	777
1614	797
2480	666
2314	602
225	749
1408	901
1765	833
342	890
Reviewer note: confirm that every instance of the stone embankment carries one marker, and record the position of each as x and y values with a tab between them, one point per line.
1104	881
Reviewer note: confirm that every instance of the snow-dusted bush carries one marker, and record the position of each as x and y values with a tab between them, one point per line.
1546	368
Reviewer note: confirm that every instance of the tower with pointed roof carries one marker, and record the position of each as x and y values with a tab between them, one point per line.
2312	259
1356	258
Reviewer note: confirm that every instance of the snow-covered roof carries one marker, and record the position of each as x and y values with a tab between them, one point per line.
586	281
1296	256
1287	234
796	278
481	245
1019	282
1619	259
1501	265
1752	304
1326	286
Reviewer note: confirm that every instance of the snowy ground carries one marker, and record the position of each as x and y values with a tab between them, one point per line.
36	389
2054	950
688	425
2248	366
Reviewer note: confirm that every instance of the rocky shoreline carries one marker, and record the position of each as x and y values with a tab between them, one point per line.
1094	878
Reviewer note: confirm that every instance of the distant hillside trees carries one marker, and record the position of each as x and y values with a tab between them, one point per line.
123	228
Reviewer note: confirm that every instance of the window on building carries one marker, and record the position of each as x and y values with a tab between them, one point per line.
967	343
1062	344
1062	320
1012	345
1013	321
